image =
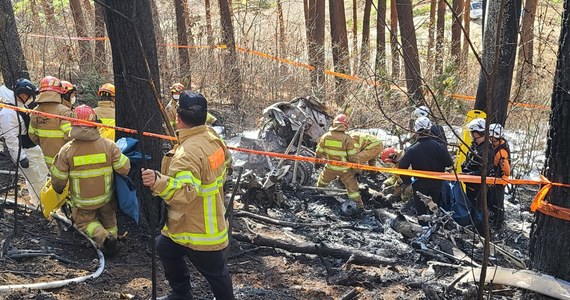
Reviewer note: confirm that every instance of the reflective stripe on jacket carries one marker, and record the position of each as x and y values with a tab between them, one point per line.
105	111
365	141
88	162
337	145
50	134
191	183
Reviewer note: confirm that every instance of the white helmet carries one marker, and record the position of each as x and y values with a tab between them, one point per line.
421	111
422	123
496	130
477	124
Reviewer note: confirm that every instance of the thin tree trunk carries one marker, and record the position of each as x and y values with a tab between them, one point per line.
466	36
183	56
86	52
88	6
100	54
410	51
549	242
12	61
161	45
281	20
456	31
233	80
189	25
47	7
315	31
431	33
209	33
527	34
340	52
394	46
440	29
381	39
133	46
354	35
499	53
365	48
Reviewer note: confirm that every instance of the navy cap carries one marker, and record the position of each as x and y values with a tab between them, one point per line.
190	100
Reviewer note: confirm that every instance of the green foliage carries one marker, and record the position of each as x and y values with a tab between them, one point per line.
259	4
421	10
444	84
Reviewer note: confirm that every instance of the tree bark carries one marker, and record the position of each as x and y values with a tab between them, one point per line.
466	36
135	68
88	6
100	53
410	51
365	48
354	35
47	7
86	52
431	34
12	61
161	45
315	31
527	34
499	50
457	6
233	79
281	21
440	29
549	241
183	56
394	46
209	33
339	44
381	39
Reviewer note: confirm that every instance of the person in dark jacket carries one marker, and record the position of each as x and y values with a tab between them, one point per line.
436	130
473	164
426	154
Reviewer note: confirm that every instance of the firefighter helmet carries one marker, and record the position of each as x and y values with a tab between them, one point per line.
421	111
477	125
389	155
106	90
86	113
341	119
24	86
421	124
177	88
50	83
496	130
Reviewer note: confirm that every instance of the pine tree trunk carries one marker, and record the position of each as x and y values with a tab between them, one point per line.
281	22
315	31
365	48
161	45
12	61
209	33
549	242
394	46
85	51
499	51
527	35
381	39
354	35
431	34
47	7
133	47
100	53
456	32
440	31
339	44
467	36
89	10
233	80
410	51
183	56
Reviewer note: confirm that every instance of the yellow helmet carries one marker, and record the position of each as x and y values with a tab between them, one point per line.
106	90
177	88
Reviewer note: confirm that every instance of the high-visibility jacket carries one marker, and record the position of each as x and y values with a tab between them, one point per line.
49	133
337	145
502	159
365	141
191	183
88	162
105	111
170	110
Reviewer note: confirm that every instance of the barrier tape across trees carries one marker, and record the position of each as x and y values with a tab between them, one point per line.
538	203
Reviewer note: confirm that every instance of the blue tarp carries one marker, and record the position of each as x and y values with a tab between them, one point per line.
454	199
127	196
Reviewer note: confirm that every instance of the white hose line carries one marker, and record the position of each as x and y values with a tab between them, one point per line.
60	283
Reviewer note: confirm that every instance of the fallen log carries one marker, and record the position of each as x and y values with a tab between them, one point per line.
277	222
524	279
356	256
400	224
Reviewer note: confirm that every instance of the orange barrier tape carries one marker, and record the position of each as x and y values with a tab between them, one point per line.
292	63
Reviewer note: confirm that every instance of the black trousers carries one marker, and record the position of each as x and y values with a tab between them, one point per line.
211	264
497	203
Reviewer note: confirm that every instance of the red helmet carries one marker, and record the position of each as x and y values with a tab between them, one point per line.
177	88
84	112
68	87
389	155
342	119
50	83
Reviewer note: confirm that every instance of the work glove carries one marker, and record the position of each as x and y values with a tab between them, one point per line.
25	163
390	181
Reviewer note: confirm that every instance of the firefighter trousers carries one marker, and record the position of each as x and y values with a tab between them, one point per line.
211	264
98	223
35	174
368	156
347	178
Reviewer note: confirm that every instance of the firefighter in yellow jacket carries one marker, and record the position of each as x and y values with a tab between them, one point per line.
105	110
368	147
170	108
191	183
337	145
88	162
49	133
